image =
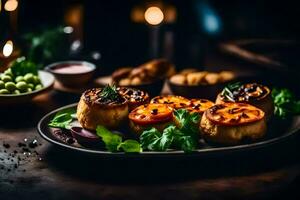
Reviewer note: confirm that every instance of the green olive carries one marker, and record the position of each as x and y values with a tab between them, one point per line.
38	87
16	92
6	78
2	85
22	86
11	86
4	91
36	80
29	78
8	72
30	85
19	79
29	90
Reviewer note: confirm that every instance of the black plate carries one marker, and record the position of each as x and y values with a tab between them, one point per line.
278	130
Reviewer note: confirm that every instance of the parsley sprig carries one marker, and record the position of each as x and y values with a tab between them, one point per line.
285	103
184	136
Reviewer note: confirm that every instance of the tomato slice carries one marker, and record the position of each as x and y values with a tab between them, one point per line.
151	114
175	102
234	114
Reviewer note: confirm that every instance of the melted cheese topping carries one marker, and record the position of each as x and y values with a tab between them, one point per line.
151	114
199	105
234	113
175	102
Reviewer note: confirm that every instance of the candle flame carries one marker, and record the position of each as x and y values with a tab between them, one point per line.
8	48
154	15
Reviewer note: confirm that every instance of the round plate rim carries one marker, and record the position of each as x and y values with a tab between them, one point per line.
216	150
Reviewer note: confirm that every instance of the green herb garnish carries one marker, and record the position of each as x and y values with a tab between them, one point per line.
21	66
285	103
63	118
113	142
109	92
228	90
185	136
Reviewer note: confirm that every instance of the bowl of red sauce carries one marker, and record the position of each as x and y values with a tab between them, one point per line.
72	73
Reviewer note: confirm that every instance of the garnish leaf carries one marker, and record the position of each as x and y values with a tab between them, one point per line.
184	136
229	89
130	146
21	66
63	118
109	92
113	142
285	103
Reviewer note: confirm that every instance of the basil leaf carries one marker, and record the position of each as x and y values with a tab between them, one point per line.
130	146
111	140
63	119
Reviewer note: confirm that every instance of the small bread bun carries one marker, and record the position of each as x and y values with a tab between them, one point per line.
134	97
92	111
230	123
255	94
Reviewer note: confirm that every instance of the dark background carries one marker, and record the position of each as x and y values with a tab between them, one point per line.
109	29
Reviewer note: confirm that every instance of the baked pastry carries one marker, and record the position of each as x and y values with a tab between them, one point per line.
146	73
134	97
230	123
150	115
193	77
102	107
255	94
173	101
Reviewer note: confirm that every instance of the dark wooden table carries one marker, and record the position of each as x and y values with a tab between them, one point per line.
46	171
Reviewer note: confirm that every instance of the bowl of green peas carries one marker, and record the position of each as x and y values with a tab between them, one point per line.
22	83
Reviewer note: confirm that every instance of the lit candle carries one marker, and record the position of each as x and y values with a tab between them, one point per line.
154	16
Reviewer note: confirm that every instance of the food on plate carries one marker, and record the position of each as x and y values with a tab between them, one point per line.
146	73
134	97
150	115
195	77
255	94
173	101
85	137
199	105
230	123
21	77
102	107
182	136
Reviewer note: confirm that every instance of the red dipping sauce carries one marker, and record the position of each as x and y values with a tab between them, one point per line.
71	69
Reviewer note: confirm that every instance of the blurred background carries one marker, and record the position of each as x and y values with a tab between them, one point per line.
127	33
